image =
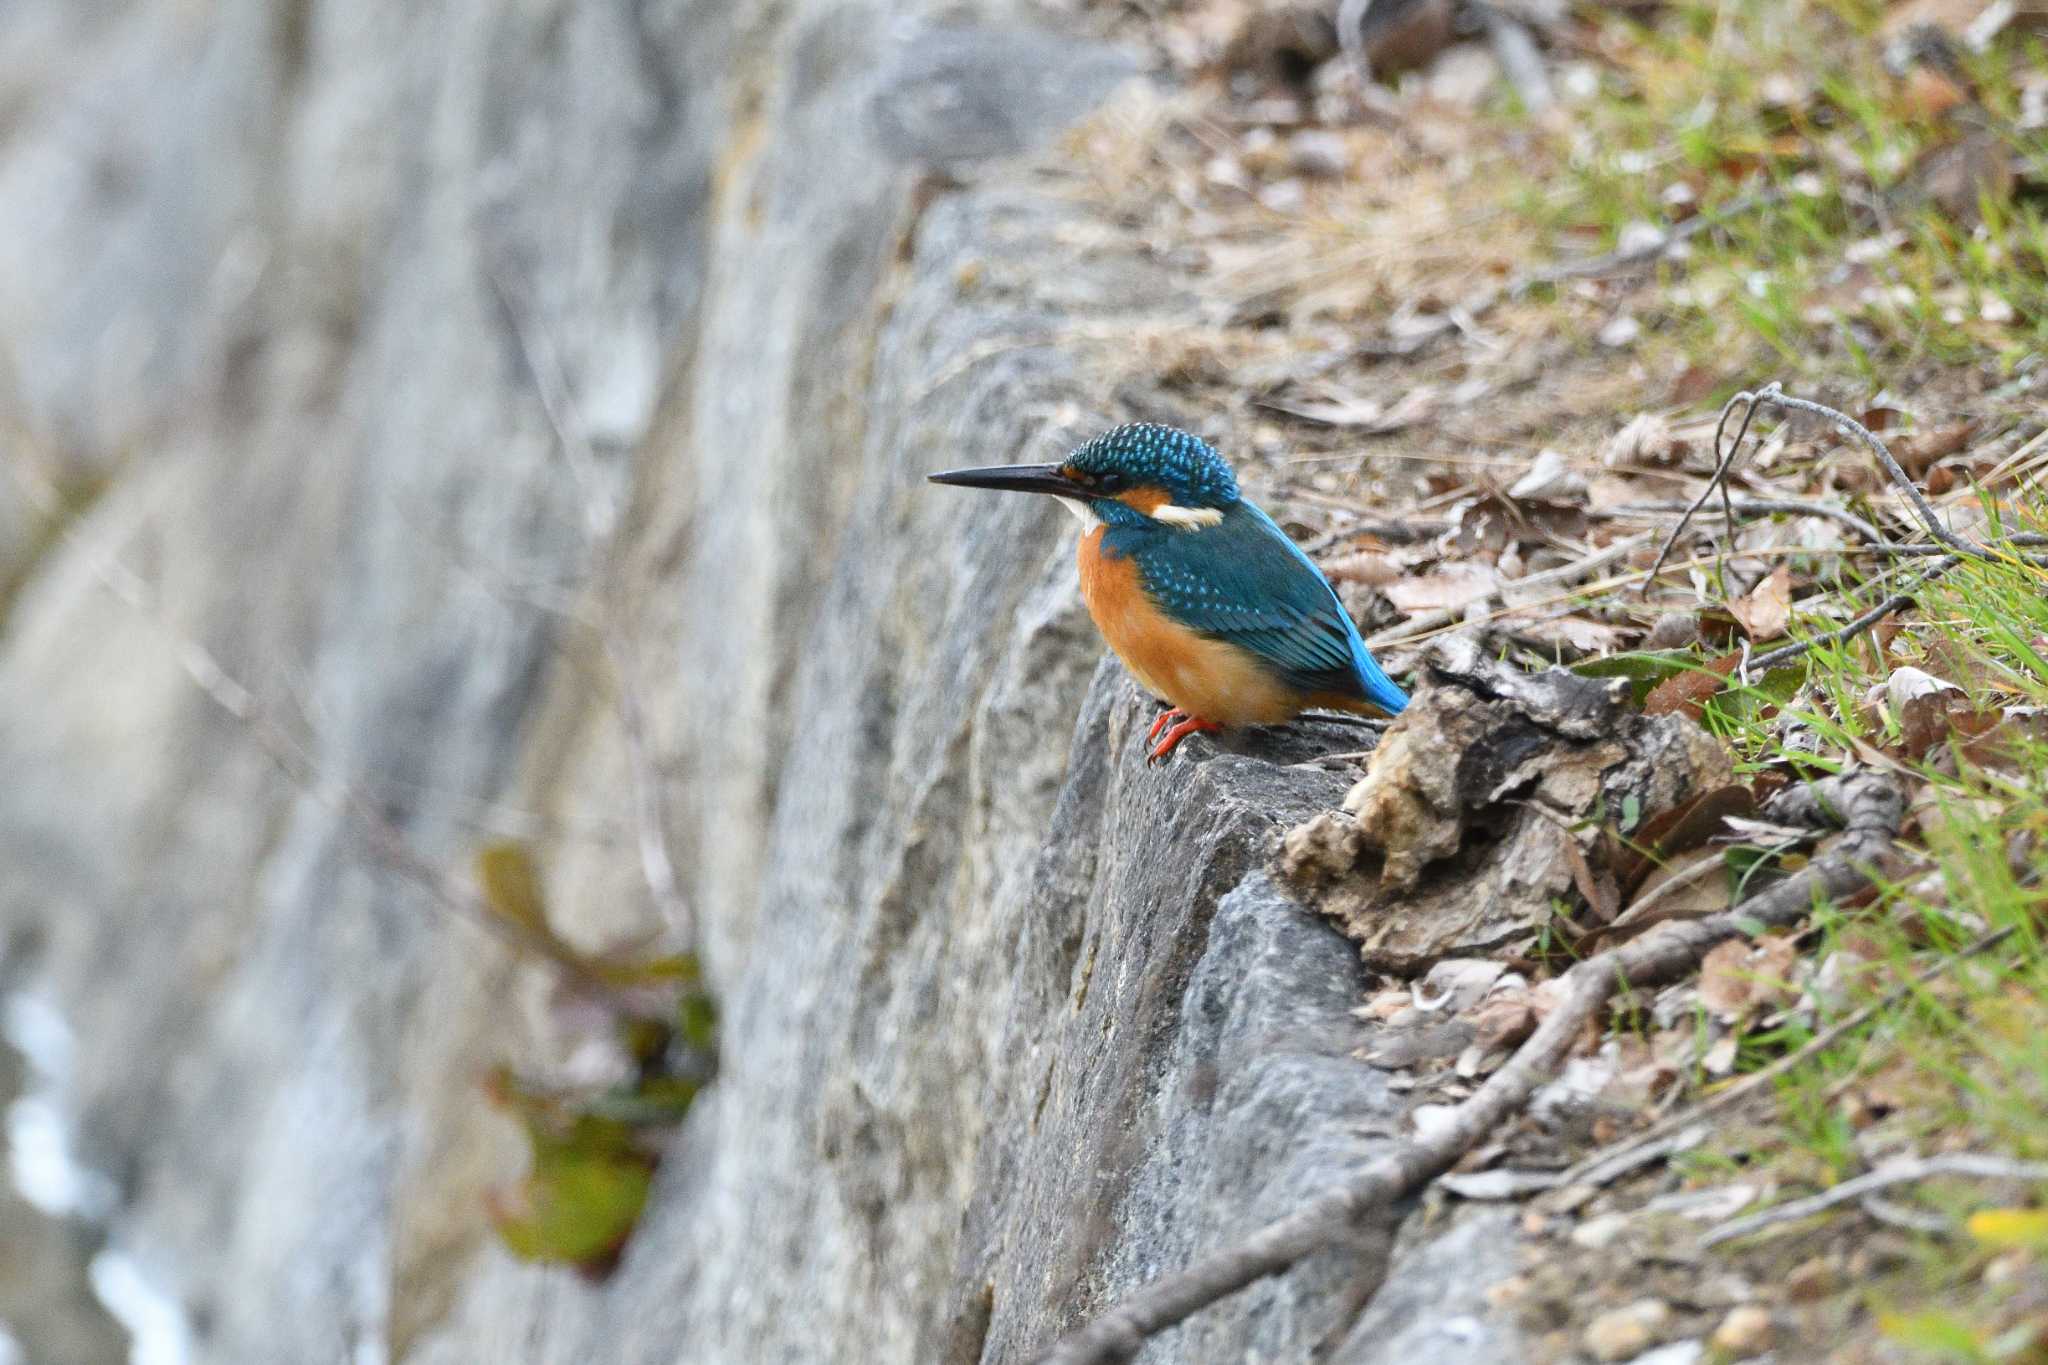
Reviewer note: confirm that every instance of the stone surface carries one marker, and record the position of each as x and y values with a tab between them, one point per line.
1744	1332
1435	1304
1621	1333
1011	1021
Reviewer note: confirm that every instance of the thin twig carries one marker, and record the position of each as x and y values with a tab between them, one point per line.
1748	506
1723	463
1899	1216
1841	635
1929	519
1594	1169
601	518
1892	1173
1899	477
1870	805
1549	578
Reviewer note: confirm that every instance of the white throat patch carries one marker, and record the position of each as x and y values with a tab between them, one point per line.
1187	518
1081	510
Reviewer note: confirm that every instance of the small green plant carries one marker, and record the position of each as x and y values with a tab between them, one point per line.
593	1152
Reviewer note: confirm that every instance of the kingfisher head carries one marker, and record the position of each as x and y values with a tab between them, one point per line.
1136	475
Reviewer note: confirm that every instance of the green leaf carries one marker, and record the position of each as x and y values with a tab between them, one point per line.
660	1102
575	1207
2011	1228
1644	669
1934	1331
697	1021
1775	688
678	968
510	883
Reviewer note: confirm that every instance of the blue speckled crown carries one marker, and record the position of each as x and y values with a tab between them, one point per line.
1186	466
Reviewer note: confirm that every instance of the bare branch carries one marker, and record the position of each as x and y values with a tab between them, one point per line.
1903	598
1869	804
1748	506
1770	394
1723	463
1899	477
1653	1142
1892	1173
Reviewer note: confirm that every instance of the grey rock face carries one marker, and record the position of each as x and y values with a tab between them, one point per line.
1012	1021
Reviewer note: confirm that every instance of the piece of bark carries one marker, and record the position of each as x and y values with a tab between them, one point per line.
1454	843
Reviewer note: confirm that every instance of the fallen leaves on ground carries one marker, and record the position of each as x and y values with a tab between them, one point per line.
1766	611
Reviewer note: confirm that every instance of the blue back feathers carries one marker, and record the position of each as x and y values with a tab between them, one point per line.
1241	580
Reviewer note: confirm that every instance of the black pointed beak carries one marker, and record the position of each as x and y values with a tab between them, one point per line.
1017	478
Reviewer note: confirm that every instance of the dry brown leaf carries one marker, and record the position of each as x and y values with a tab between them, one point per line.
1955	177
1688	691
1503	1020
1767	610
1485	525
1693	385
1689	888
2007	742
1744	976
1927	94
1927	721
1921	449
1954	16
1599	892
1376	568
1451	587
1681	829
1574	633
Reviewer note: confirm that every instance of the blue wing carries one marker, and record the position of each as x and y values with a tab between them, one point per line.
1245	582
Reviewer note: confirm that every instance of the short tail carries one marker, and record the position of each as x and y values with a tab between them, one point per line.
1380	689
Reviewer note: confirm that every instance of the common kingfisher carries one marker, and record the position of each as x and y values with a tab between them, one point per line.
1203	597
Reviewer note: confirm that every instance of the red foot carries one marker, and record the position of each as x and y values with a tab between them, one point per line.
1171	714
1192	725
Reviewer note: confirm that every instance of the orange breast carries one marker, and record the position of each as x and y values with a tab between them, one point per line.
1203	677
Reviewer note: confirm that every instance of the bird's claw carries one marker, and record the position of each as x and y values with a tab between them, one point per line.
1189	725
1171	715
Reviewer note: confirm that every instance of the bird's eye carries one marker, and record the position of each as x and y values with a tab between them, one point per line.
1110	483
